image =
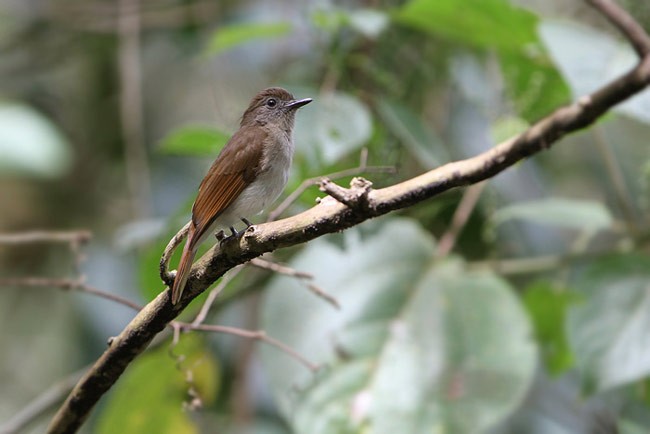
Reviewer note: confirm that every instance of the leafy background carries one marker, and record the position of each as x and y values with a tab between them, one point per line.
537	322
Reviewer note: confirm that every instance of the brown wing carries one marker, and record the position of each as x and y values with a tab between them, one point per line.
233	170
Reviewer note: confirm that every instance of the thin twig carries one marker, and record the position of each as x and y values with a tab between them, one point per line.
109	296
319	292
459	220
74	239
78	236
58	391
66	284
177	326
537	264
301	275
629	27
281	269
207	305
615	174
252	334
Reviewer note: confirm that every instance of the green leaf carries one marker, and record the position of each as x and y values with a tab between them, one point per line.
481	23
536	87
608	331
565	213
194	140
227	37
31	144
548	307
423	144
589	58
417	346
150	395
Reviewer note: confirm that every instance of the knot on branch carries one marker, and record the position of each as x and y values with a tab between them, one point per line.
355	197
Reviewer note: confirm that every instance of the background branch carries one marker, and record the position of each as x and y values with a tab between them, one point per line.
80	236
459	220
628	26
259	335
67	284
131	116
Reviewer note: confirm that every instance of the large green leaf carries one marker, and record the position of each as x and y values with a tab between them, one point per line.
482	23
417	346
149	398
608	330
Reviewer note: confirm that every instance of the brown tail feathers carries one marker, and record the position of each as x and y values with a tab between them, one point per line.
184	266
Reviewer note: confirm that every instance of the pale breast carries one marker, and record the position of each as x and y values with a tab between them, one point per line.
267	187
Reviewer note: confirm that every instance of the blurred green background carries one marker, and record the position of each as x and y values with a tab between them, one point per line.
536	321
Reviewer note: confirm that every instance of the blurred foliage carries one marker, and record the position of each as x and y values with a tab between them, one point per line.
233	35
536	323
419	343
548	307
607	326
558	212
141	402
194	140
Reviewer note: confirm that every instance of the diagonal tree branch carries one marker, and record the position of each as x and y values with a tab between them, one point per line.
331	216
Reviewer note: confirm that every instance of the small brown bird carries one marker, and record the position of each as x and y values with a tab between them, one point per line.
250	173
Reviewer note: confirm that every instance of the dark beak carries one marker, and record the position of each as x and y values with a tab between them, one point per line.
297	103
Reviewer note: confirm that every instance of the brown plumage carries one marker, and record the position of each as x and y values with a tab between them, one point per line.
249	173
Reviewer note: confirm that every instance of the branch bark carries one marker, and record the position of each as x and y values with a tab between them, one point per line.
331	216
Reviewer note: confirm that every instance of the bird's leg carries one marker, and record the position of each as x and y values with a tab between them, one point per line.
233	234
221	236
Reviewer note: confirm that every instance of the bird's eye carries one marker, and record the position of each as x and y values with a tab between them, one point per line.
272	102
